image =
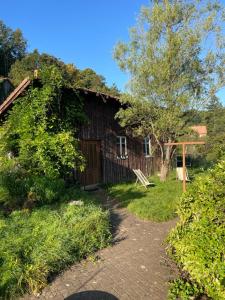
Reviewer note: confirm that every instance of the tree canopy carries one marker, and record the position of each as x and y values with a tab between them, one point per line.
12	47
173	68
17	64
215	119
72	77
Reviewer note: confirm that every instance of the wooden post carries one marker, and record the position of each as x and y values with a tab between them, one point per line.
184	167
184	144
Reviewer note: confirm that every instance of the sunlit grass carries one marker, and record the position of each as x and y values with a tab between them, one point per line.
157	203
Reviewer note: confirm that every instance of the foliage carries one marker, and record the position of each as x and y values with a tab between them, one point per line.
183	289
72	77
18	190
40	243
32	61
215	120
173	68
12	47
37	131
158	203
198	242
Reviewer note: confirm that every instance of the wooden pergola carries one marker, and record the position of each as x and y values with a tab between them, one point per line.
184	144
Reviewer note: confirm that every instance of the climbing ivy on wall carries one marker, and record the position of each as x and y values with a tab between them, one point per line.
40	131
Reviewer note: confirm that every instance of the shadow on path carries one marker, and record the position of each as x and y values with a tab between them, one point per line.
92	295
116	217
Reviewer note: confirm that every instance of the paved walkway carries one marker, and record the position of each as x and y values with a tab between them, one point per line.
134	268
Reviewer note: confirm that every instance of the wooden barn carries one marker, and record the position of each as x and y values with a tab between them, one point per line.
110	154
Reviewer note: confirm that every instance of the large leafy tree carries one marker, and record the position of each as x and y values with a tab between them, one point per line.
12	47
34	60
175	58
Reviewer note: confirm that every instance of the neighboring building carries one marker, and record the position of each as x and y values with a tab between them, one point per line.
201	130
110	154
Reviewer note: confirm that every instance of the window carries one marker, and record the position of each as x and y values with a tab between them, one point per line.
147	146
121	147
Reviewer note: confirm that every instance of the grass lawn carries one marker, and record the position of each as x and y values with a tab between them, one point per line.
36	244
156	203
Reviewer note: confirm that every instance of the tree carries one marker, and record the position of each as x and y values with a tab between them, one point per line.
215	120
32	61
72	77
12	47
172	68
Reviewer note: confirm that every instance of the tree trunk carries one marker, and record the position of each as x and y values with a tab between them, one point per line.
164	170
166	156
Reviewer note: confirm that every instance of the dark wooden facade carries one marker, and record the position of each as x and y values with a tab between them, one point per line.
99	144
98	138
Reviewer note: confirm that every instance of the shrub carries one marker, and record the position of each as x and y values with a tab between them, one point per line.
36	244
17	189
198	242
13	190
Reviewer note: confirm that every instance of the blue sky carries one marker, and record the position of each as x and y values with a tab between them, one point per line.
82	32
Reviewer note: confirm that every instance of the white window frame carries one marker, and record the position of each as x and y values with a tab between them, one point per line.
147	141
121	137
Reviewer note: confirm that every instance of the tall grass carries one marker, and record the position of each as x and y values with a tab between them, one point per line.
36	244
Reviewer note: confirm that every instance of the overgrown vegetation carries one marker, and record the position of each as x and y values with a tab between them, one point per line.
38	140
197	243
36	244
157	203
40	232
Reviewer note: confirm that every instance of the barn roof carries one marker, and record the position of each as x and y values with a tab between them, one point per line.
89	91
26	82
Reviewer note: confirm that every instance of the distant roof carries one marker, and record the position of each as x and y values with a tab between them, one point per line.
26	82
200	129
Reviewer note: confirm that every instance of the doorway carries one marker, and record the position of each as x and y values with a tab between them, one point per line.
91	150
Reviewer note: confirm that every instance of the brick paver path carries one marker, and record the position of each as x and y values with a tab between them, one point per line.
135	267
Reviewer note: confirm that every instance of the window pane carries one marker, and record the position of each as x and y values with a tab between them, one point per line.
121	146
147	147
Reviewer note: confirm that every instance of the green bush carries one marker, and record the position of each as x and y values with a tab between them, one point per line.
13	187
198	242
35	244
17	189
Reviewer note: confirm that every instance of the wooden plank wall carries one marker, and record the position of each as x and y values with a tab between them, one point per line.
103	126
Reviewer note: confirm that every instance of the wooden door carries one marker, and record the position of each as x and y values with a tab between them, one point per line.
91	150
